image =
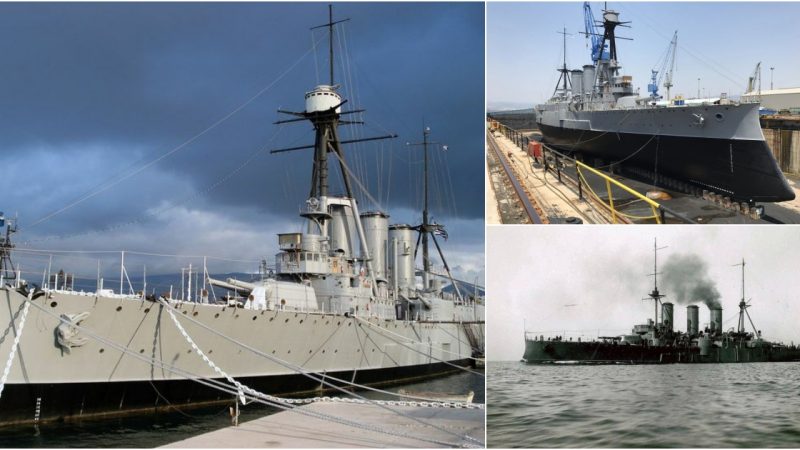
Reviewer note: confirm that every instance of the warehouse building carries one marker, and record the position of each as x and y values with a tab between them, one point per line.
778	99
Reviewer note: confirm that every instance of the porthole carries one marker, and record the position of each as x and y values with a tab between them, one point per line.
53	304
146	310
255	317
286	321
194	313
119	308
184	312
301	320
719	116
102	350
216	315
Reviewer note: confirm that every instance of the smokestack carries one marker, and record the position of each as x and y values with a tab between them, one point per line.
716	319
692	320
666	315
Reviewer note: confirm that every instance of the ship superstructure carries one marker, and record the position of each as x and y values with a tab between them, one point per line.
658	341
710	144
343	307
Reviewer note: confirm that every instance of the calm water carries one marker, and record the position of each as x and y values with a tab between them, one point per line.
153	431
709	405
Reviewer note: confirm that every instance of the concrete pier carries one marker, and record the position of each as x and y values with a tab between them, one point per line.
290	429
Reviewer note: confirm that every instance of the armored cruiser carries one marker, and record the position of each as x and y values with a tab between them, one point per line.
657	342
715	145
343	307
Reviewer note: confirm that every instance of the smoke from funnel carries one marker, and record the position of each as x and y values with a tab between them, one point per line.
685	279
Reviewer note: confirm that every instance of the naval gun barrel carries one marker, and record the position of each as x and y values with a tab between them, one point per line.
233	285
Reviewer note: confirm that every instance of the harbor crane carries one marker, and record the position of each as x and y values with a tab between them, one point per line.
754	81
599	48
663	69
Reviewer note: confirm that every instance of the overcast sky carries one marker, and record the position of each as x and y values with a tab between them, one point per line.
718	42
93	92
593	278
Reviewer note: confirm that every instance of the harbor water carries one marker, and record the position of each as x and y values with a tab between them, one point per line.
164	428
676	405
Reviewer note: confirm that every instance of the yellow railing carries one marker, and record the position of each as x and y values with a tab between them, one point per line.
654	206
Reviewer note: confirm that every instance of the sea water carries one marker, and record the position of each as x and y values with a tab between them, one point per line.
674	405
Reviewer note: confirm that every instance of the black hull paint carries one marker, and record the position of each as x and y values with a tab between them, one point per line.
78	401
537	352
745	170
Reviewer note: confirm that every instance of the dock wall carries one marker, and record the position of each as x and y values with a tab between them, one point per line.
782	134
516	120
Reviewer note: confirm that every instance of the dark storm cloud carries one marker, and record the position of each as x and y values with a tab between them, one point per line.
91	91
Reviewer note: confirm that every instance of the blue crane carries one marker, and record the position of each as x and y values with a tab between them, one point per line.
599	51
663	69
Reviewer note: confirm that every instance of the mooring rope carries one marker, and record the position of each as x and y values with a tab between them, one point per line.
313	375
15	345
284	404
360	399
421	352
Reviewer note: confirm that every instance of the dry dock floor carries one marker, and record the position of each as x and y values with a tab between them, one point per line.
559	200
294	430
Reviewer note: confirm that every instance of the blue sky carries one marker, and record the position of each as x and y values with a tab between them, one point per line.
93	91
719	42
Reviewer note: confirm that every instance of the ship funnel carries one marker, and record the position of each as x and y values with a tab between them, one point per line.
376	232
588	79
342	229
401	257
692	320
577	82
667	316
716	319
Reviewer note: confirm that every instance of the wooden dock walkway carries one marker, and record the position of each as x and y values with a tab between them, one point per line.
290	429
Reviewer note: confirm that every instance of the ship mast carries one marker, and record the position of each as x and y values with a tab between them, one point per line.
743	306
323	110
6	266
655	295
564	72
428	230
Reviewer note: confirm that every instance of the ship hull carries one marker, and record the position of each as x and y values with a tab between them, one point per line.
43	403
95	379
727	161
538	352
